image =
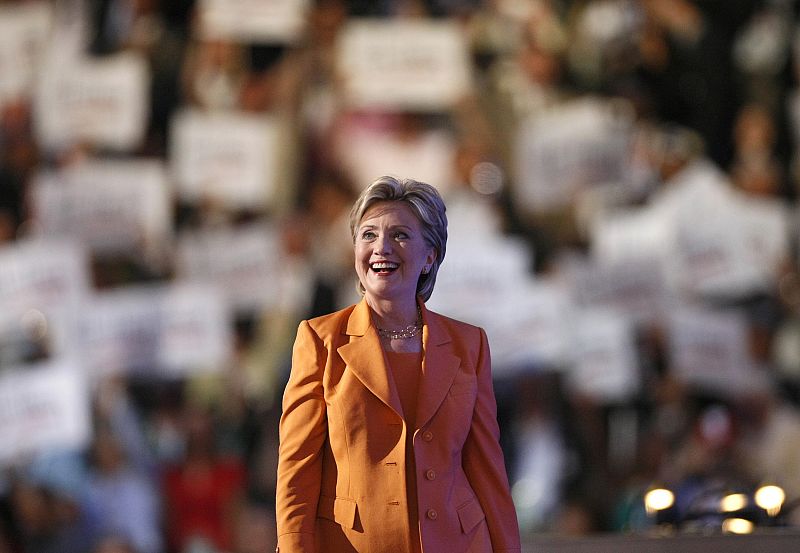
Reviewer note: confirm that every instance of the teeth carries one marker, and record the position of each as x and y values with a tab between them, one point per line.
384	265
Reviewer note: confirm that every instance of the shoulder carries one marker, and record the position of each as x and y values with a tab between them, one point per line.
454	327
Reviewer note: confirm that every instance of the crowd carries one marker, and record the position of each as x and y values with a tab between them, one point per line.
621	180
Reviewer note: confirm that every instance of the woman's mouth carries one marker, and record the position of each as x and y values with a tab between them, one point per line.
383	267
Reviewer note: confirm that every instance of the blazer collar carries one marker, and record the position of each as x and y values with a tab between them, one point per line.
364	356
360	320
439	365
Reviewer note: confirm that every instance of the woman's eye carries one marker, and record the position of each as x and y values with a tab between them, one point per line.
368	235
401	236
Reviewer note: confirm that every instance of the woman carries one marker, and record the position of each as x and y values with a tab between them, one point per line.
389	437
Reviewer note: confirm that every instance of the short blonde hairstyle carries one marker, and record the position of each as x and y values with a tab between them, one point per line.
425	202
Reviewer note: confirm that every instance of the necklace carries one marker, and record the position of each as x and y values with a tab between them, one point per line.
403	333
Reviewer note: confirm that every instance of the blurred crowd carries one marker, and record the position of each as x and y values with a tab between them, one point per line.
619	135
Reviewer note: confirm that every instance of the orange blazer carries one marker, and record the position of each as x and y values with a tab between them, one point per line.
341	466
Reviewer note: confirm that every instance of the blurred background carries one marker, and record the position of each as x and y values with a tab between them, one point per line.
175	178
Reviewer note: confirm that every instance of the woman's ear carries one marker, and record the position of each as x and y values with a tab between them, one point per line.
430	260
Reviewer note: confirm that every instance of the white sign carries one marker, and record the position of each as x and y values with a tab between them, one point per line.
42	407
471	216
24	30
368	153
45	275
726	243
708	238
643	233
605	363
102	102
635	287
710	349
158	331
119	332
245	263
253	21
403	64
488	282
476	276
228	158
567	149
111	206
765	236
707	256
196	329
529	329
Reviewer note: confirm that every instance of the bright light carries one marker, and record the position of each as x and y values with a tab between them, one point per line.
733	502
770	498
658	499
737	526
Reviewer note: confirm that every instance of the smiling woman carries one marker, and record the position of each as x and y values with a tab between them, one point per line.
389	436
391	257
423	203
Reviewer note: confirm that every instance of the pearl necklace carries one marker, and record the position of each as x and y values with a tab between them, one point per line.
403	333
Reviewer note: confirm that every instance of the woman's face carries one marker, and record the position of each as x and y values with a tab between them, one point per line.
390	252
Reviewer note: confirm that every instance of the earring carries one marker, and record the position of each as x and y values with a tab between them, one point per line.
426	270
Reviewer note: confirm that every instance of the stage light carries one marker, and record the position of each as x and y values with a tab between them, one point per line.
770	498
658	499
733	502
737	526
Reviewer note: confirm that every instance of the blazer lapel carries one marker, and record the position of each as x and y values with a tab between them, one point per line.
363	355
439	367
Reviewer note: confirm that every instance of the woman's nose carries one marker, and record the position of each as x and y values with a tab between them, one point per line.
383	245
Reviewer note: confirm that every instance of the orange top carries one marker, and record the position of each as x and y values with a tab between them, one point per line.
406	369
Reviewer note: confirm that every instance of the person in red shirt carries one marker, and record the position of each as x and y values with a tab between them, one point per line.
204	492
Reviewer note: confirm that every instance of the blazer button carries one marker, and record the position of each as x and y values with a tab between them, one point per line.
427	435
432	514
430	474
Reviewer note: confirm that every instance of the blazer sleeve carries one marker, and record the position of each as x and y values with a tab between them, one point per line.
483	463
303	430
